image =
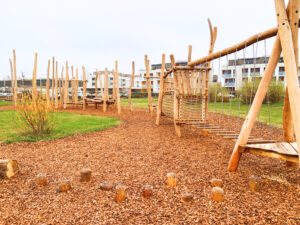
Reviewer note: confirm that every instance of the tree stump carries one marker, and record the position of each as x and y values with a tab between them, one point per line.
254	183
8	168
171	181
217	194
42	179
106	186
120	193
85	175
64	186
147	191
216	182
187	197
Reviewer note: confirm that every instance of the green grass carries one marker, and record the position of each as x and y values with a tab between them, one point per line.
66	124
5	103
275	111
138	102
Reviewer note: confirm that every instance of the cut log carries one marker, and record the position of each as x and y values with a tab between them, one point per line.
8	168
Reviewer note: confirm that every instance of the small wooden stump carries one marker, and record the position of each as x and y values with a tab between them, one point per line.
217	194
171	181
120	193
216	182
85	175
254	183
147	191
64	186
187	197
8	168
106	186
42	179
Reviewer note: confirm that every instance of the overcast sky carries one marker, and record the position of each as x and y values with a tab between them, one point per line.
95	33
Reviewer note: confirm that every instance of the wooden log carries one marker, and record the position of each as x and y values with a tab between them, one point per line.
12	81
187	197
85	175
118	88
52	82
105	97
161	90
150	106
171	179
61	91
147	191
34	93
288	134
130	87
66	91
216	182
120	193
15	79
41	179
56	86
288	51
8	168
96	84
217	194
106	186
254	183
84	88
76	86
64	186
48	85
73	86
176	100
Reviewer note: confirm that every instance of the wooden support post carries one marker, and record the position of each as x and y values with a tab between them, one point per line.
73	85
84	83
130	87
61	89
288	134
34	94
76	86
101	85
66	91
118	89
12	81
114	87
105	96
150	106
176	99
15	79
52	83
48	85
96	85
161	90
56	86
288	51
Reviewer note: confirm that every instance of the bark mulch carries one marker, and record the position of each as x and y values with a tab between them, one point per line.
137	153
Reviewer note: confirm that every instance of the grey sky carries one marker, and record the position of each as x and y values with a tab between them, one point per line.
96	33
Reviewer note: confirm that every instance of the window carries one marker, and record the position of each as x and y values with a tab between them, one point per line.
93	78
111	78
93	84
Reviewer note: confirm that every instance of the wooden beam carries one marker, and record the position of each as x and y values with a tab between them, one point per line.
56	86
161	90
52	82
131	85
48	85
66	90
84	83
105	95
118	88
76	86
150	106
12	81
288	51
61	89
15	79
34	94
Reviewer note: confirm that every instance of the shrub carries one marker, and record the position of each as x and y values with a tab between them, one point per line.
247	92
216	92
276	92
35	116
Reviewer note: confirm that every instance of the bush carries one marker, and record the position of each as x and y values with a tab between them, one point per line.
276	92
35	116
247	92
216	92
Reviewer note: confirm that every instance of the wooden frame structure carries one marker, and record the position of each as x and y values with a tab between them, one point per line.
286	42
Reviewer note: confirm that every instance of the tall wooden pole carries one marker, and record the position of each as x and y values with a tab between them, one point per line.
161	90
52	83
66	93
118	88
150	106
34	94
84	88
73	85
61	88
48	85
12	81
56	86
101	85
105	97
15	79
96	84
130	87
76	86
288	51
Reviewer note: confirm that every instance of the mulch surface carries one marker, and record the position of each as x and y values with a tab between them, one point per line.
137	153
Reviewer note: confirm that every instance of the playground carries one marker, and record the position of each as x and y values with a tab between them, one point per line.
136	153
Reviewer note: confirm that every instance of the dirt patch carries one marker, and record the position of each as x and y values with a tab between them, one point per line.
138	153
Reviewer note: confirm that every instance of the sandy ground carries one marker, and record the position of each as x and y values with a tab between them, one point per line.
137	153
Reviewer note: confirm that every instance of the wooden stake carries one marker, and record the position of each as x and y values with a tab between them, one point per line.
73	85
48	85
61	89
56	86
84	87
76	86
12	81
52	83
105	97
130	87
150	106
118	89
15	79
96	84
161	90
34	94
66	93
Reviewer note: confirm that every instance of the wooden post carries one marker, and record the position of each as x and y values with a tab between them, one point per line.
56	86
101	85
66	93
52	83
288	51
48	85
118	89
176	99
130	87
105	97
114	86
288	134
15	79
96	84
84	88
73	85
150	106
61	88
76	86
34	94
12	81
161	90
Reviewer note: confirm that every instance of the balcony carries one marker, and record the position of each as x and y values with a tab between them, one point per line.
226	75
281	73
255	74
229	84
245	74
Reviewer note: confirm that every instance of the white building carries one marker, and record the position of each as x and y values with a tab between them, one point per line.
248	69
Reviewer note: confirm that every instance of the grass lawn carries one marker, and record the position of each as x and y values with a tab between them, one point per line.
275	111
138	102
5	103
66	124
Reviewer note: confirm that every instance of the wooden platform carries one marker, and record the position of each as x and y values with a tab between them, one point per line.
282	150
